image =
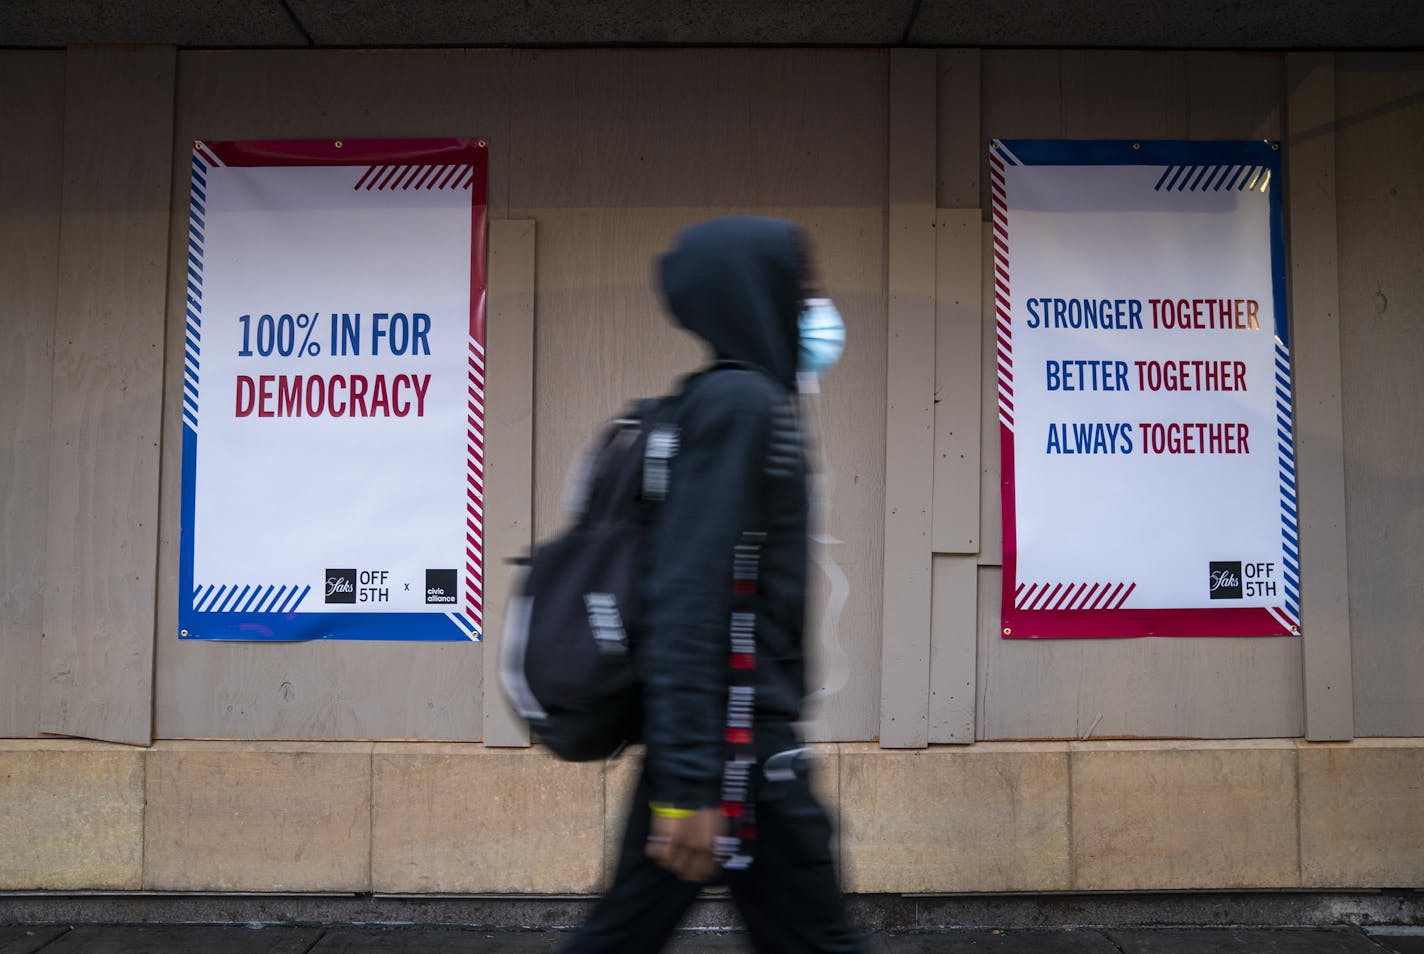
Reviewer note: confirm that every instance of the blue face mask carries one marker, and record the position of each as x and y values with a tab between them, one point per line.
822	336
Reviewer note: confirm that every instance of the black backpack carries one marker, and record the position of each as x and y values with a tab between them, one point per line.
572	624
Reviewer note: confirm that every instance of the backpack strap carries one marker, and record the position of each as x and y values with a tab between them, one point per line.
736	850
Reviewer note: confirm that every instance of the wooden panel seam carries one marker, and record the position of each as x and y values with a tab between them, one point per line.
509	516
909	468
957	373
102	565
1320	463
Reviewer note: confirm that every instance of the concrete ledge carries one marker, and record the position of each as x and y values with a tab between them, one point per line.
470	819
71	815
426	818
620	779
1362	813
258	816
989	817
1184	815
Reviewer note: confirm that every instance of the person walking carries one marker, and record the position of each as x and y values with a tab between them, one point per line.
724	794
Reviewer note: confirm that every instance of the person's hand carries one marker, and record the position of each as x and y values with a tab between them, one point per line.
687	845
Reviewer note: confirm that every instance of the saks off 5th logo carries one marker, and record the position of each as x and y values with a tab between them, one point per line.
1234	580
350	585
341	586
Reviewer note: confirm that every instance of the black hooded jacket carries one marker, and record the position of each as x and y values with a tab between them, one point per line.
737	283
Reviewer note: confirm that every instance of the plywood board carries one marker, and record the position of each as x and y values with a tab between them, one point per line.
954	649
909	396
97	660
1140	688
31	113
1234	95
960	141
1124	94
697	128
1315	351
1022	94
1380	200
509	445
345	690
958	391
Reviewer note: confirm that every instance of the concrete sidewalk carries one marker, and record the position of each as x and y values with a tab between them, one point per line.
277	939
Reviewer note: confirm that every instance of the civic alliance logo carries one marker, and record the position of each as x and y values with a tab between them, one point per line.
440	586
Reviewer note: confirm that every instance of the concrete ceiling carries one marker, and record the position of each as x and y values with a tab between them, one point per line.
1157	24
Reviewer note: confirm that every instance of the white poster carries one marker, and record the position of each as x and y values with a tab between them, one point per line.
334	391
1144	390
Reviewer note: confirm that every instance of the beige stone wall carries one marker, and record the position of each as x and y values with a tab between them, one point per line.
430	818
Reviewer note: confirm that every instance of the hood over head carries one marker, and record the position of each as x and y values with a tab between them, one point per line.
737	283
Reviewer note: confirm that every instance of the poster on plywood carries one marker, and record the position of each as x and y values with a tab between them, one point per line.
333	391
1144	380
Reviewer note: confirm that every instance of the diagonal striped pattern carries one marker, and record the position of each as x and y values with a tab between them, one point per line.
248	598
1003	321
1285	459
465	626
406	177
1213	179
203	161
1057	597
475	484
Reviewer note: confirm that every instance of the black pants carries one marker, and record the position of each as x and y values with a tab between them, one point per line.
789	899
